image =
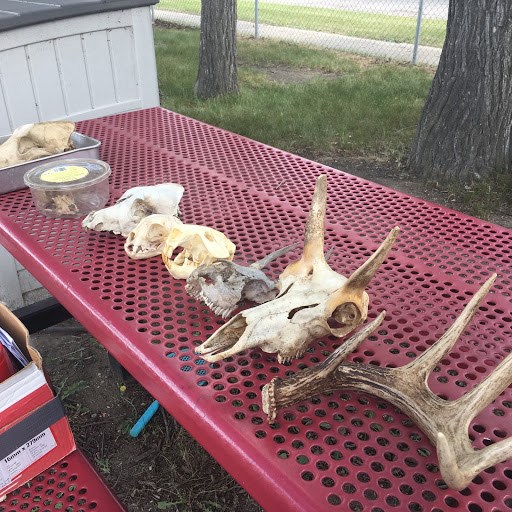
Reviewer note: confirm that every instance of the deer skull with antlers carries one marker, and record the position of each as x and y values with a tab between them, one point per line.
444	422
313	299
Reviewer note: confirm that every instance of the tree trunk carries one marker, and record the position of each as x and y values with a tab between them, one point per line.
217	72
465	128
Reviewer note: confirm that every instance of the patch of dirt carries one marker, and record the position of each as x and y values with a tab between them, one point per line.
399	179
161	469
283	75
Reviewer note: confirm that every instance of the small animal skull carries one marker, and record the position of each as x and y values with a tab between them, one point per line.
36	140
200	245
313	300
224	284
149	235
133	206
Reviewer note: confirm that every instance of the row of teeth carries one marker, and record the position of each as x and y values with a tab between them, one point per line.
223	312
284	360
139	249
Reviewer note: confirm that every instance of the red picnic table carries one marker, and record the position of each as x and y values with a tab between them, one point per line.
342	451
72	484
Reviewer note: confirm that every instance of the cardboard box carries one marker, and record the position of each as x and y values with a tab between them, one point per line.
34	430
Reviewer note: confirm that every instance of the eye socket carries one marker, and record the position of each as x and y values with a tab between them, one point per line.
207	280
345	315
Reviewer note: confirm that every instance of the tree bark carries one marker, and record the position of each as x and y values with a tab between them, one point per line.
465	128
217	74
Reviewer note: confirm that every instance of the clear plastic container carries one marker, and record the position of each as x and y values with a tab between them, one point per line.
69	188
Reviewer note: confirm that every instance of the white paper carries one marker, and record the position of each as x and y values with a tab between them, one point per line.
20	385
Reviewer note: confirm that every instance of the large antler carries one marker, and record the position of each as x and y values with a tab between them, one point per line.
445	422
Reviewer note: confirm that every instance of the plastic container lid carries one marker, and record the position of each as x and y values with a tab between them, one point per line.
69	174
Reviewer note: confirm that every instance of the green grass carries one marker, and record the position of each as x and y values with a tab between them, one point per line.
364	107
382	27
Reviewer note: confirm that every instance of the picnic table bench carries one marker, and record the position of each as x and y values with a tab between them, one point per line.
341	451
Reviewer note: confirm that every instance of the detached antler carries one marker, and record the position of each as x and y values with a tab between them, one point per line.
445	422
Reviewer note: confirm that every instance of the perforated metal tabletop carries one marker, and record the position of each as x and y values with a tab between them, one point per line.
339	452
71	485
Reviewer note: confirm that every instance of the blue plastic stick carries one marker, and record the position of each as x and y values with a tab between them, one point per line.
144	419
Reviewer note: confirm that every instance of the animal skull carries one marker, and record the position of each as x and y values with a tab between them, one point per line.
133	206
224	284
200	245
148	237
313	300
37	140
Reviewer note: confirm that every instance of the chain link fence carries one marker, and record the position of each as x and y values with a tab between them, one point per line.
406	30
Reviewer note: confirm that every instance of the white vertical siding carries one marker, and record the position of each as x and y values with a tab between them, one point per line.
73	74
10	287
17	88
95	51
45	79
125	71
99	64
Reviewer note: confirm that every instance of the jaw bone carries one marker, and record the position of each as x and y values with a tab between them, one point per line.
223	285
314	300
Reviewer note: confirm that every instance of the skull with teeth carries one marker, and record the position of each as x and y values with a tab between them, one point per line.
313	300
148	237
134	205
200	245
223	284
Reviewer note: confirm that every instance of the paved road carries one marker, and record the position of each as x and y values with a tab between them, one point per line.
431	8
401	51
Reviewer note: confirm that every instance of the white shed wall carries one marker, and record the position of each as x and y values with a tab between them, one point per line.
76	68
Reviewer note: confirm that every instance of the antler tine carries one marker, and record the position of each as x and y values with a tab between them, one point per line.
341	353
273	256
444	422
313	251
484	393
458	475
360	279
355	285
423	364
314	232
312	380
